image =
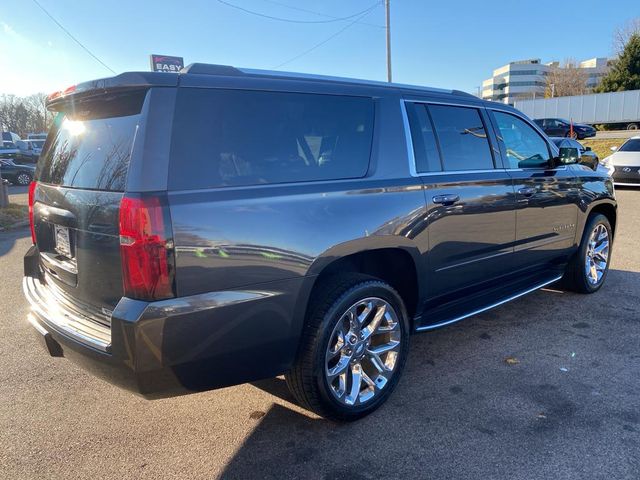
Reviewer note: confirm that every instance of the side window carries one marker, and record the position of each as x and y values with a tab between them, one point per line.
576	144
424	141
462	138
525	148
239	137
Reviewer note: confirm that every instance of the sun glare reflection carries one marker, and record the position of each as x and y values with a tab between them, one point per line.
74	127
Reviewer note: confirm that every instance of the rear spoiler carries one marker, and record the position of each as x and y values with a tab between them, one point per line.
125	81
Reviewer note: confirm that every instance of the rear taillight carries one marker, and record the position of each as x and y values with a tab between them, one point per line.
32	192
146	247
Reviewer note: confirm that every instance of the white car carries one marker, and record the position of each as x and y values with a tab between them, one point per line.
30	148
624	163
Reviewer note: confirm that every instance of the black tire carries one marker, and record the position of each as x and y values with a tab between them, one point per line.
575	277
575	135
307	380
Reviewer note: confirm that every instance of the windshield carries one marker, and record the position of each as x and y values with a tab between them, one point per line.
631	145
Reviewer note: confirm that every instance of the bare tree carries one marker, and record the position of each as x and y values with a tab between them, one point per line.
24	115
566	80
622	34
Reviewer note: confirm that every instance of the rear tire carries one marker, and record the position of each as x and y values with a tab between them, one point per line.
573	135
589	266
23	179
353	348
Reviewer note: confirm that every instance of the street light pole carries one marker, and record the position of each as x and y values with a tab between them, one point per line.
386	4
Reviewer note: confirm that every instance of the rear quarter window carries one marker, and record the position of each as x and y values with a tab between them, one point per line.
236	137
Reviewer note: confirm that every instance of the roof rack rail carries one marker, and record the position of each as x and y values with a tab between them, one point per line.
226	70
211	69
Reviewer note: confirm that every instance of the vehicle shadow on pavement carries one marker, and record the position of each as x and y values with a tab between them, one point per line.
9	238
462	410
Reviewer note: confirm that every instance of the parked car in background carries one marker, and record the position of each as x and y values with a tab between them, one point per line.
10	137
321	223
16	174
615	110
624	163
30	149
9	150
37	136
558	127
586	154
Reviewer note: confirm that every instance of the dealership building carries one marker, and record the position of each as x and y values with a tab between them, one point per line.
527	79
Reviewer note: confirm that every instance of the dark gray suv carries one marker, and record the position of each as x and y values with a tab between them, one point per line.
220	226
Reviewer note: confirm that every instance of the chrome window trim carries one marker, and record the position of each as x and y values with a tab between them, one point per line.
535	169
461	172
409	140
451	104
411	154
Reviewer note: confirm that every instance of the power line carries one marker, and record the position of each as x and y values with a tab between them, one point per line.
72	37
274	2
363	14
280	19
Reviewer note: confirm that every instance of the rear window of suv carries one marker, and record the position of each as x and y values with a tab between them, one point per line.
239	137
89	146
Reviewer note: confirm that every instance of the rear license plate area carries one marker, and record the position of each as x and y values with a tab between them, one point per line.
62	241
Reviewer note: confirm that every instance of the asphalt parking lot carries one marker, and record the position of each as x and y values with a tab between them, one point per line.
567	408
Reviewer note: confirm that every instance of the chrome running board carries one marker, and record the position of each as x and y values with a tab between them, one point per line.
488	307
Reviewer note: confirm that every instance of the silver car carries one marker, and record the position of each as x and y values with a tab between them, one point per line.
624	163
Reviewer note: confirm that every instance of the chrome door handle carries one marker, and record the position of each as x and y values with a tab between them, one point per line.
527	191
446	199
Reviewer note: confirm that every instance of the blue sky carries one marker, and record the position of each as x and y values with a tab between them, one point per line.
449	44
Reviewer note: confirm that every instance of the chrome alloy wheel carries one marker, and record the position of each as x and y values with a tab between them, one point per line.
363	351
24	179
597	254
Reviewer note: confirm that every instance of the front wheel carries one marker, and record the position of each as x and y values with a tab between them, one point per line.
588	269
353	349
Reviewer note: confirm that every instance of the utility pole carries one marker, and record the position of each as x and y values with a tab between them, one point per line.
4	194
388	17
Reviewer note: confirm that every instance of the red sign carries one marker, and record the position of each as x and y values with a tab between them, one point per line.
165	63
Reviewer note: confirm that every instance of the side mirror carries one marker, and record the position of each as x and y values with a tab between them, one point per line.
587	149
569	155
613	149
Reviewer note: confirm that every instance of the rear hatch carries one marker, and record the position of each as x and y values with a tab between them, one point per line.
81	178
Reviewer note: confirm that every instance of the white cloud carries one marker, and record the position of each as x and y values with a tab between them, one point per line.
6	28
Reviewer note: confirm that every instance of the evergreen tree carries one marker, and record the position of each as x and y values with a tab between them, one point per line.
625	73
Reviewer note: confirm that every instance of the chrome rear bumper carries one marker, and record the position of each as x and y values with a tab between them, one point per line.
49	308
